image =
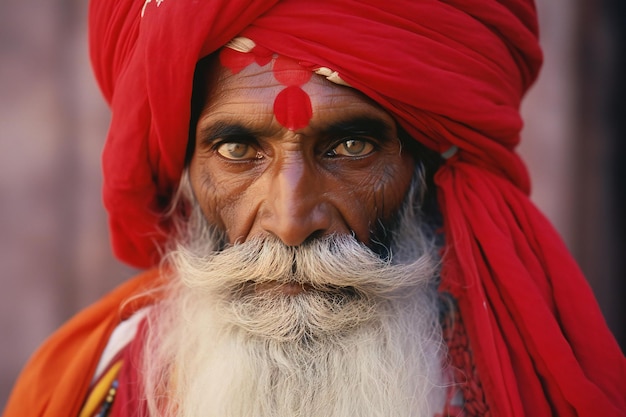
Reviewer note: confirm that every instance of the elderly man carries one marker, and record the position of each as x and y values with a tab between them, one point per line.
333	218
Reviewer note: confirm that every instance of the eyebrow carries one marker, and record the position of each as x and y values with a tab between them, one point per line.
358	126
222	130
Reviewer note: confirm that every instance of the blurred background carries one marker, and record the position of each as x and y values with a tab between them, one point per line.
54	250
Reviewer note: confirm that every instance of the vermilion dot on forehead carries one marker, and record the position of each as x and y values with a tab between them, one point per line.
289	72
262	55
292	108
235	61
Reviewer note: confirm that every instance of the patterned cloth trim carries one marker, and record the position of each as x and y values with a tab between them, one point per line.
102	395
461	361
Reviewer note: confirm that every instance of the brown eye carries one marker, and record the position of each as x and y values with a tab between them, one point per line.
237	151
353	147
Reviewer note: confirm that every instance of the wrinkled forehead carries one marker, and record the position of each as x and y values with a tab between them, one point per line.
294	93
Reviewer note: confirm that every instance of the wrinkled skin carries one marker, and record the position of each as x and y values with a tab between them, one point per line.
346	172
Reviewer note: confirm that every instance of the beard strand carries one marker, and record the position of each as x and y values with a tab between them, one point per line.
361	338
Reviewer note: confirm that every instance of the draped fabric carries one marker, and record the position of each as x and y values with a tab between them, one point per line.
56	380
453	74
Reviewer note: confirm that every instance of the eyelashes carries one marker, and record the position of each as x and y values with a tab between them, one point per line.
349	138
352	147
244	150
237	151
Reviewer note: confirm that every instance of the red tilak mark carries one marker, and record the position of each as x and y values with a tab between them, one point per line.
292	108
262	56
235	61
290	72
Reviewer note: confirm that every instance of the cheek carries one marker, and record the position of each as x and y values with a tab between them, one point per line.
375	194
219	195
393	185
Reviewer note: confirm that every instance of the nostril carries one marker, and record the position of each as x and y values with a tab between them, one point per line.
318	234
296	218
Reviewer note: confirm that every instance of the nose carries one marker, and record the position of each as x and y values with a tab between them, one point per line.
295	208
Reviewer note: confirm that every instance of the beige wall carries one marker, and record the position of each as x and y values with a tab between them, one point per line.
54	254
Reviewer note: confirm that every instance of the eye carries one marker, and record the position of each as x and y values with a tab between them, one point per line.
352	147
237	151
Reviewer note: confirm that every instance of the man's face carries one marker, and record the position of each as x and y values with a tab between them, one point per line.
300	304
344	172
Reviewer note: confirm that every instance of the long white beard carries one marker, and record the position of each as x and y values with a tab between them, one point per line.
362	339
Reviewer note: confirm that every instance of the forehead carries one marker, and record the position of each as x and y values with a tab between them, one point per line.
259	92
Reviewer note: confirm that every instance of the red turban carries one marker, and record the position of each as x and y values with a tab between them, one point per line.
453	73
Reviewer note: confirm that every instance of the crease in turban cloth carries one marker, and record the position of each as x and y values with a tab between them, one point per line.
453	74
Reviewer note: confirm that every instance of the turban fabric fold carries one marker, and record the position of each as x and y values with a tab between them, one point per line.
453	74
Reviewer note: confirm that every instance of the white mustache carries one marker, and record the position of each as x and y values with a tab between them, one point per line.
333	263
